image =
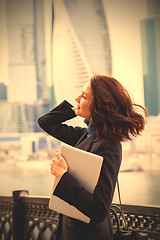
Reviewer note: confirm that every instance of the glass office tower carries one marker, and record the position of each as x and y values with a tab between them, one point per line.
150	33
28	94
81	45
27	65
151	62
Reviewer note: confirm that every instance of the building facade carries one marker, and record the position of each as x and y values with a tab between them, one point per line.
27	72
27	95
150	32
13	118
3	92
81	46
151	62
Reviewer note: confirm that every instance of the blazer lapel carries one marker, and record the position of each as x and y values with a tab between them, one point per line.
83	137
85	142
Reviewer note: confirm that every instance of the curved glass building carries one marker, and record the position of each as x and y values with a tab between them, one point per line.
81	46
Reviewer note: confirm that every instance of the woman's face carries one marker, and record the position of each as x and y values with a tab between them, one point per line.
84	100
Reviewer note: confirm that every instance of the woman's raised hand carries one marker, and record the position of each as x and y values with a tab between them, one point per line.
58	165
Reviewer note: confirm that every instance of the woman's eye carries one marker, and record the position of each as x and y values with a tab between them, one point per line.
83	96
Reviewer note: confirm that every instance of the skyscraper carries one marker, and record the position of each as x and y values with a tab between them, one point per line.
3	92
27	80
150	29
13	118
27	86
81	45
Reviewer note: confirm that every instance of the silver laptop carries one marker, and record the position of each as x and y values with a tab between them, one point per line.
85	167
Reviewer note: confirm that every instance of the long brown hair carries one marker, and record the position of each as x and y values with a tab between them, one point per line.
114	115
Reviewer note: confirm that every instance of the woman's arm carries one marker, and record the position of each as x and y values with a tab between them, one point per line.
52	124
96	205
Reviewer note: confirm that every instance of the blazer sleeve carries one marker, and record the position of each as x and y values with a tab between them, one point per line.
95	205
52	123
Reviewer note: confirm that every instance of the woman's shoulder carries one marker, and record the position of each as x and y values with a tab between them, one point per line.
106	145
105	141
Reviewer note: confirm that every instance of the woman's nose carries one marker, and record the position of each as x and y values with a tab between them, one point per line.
78	99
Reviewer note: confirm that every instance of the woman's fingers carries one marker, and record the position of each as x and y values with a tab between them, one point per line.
58	165
62	161
59	155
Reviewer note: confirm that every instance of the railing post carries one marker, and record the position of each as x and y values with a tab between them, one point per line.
18	215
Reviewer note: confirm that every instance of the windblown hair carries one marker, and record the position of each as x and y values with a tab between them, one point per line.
114	115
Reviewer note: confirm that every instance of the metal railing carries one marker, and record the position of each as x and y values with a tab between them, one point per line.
24	217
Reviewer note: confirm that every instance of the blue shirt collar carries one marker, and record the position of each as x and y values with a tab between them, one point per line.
91	129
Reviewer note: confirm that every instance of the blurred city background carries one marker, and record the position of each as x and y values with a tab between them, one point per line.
48	51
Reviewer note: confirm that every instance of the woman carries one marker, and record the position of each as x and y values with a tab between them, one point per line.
111	117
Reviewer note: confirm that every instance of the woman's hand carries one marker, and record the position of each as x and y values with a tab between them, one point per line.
58	166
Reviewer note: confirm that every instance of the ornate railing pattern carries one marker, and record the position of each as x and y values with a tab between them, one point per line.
40	221
6	207
143	219
29	218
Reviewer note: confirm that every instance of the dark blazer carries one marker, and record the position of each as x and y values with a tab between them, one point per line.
96	205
